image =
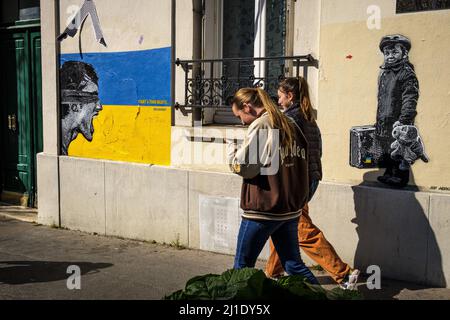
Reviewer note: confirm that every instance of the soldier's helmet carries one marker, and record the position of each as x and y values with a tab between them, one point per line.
394	39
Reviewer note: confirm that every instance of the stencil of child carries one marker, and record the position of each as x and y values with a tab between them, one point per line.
398	93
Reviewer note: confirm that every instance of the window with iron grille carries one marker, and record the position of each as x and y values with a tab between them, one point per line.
405	6
214	91
245	46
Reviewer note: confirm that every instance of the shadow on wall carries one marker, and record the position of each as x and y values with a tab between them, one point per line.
395	234
23	272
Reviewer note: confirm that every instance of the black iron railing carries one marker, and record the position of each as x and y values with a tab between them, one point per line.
211	83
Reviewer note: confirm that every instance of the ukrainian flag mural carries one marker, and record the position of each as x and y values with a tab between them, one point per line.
115	104
133	123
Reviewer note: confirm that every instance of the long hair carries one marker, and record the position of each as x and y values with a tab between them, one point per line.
300	90
259	98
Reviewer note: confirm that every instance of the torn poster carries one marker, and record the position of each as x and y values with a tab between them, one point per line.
88	8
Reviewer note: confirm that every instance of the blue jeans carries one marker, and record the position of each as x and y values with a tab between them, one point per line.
253	235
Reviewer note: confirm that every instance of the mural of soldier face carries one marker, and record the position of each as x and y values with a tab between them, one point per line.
80	102
394	54
82	117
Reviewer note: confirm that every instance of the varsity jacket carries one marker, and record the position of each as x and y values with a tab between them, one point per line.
275	179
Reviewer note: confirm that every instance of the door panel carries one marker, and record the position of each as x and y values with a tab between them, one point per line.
15	107
36	107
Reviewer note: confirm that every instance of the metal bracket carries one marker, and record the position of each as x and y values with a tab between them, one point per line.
183	110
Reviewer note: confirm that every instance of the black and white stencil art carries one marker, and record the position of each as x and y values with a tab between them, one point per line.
87	9
398	94
406	6
408	146
80	102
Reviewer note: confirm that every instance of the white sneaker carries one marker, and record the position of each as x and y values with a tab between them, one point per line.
276	277
350	280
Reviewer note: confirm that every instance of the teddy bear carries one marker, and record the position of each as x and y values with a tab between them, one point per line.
408	146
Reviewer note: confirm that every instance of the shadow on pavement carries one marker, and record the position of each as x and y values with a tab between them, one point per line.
23	272
325	279
395	235
390	289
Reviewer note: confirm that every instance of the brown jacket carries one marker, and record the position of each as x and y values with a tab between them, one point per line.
275	185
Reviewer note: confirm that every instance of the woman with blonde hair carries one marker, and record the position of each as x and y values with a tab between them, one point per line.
273	164
293	97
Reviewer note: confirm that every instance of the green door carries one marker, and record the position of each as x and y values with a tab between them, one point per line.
20	111
36	106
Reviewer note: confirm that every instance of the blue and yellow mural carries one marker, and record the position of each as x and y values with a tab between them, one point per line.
132	117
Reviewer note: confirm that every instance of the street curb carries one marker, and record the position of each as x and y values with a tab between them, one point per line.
19	213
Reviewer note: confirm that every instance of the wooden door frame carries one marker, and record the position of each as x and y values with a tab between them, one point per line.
23	199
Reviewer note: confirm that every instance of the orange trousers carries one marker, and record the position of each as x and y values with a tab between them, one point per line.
314	244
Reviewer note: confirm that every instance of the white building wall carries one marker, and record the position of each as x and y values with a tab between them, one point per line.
404	232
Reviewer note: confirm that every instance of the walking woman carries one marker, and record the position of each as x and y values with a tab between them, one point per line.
273	164
293	97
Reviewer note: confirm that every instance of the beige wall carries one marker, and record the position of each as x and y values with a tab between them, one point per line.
348	87
49	77
306	39
120	19
346	96
184	40
344	90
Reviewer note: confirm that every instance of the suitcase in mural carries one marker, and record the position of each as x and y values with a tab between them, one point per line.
362	147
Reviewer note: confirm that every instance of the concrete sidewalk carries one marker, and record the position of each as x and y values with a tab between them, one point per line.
34	261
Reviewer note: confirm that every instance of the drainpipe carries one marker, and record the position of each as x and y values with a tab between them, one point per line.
197	8
58	101
172	65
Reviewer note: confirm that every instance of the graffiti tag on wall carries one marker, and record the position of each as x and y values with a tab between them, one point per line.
87	9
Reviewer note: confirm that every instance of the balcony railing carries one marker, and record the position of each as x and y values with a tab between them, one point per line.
211	83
